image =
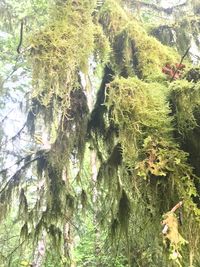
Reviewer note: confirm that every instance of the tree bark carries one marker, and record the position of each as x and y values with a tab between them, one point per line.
40	252
67	230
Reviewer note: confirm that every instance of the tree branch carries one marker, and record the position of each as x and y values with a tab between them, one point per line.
21	37
18	172
6	116
177	206
14	250
179	65
16	163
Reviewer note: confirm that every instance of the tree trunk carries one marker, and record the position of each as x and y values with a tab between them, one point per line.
40	252
93	160
67	230
68	245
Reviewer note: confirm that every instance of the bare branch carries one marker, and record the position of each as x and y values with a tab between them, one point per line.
18	172
177	206
17	163
179	65
21	37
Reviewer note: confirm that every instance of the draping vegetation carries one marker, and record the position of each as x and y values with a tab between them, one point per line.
100	114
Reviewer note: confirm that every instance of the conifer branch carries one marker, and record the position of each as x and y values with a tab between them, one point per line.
38	154
6	116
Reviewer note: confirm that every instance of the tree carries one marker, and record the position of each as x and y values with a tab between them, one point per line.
143	129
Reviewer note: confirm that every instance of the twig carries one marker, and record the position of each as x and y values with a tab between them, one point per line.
179	65
21	36
13	138
6	116
15	249
16	163
193	55
9	238
11	73
19	171
18	133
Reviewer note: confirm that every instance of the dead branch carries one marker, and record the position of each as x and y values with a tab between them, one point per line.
21	37
13	138
6	116
166	222
38	154
177	206
17	135
179	65
19	171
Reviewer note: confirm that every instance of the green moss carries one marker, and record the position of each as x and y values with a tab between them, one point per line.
59	50
138	109
151	55
113	18
133	48
186	100
145	131
102	45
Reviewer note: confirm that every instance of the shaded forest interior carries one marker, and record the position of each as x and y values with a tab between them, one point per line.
99	133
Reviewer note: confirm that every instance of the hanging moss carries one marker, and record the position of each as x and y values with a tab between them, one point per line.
165	34
124	211
143	169
186	100
182	32
101	45
142	115
60	50
134	52
186	28
138	109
